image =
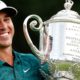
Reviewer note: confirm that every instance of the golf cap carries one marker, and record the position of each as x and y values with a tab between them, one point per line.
11	11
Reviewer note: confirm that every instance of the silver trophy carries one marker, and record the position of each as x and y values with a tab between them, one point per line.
59	42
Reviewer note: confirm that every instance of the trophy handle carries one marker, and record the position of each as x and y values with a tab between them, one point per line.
39	53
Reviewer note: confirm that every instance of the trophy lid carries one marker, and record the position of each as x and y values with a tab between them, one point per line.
66	15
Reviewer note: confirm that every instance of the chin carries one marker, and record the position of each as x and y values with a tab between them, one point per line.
5	45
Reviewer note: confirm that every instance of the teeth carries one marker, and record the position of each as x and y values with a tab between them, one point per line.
5	34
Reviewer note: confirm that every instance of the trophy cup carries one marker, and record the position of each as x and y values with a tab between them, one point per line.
59	42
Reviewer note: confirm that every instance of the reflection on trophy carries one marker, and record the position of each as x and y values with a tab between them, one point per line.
59	43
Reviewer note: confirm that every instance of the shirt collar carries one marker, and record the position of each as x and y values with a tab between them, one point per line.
16	56
1	63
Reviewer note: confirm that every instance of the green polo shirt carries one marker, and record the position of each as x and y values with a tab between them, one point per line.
26	67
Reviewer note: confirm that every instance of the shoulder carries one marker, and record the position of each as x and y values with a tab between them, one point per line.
32	60
28	57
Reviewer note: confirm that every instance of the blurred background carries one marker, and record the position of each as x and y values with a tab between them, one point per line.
44	8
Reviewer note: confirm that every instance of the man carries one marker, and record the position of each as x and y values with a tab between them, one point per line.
14	65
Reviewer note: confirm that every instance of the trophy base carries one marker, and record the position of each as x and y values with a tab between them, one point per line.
63	70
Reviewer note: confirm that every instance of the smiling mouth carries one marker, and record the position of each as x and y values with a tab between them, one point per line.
3	34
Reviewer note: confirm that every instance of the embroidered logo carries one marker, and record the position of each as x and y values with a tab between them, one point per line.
25	71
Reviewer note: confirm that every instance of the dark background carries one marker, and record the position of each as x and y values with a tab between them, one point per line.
44	8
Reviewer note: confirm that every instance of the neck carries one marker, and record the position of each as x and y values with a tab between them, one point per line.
6	55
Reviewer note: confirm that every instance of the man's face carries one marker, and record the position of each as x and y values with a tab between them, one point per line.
6	30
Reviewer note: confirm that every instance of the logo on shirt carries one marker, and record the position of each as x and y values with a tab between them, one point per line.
26	70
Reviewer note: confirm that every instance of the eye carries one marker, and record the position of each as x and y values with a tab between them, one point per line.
7	19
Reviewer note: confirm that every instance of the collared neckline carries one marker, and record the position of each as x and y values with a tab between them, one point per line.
1	62
16	58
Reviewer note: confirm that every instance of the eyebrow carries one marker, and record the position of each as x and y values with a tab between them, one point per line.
6	15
